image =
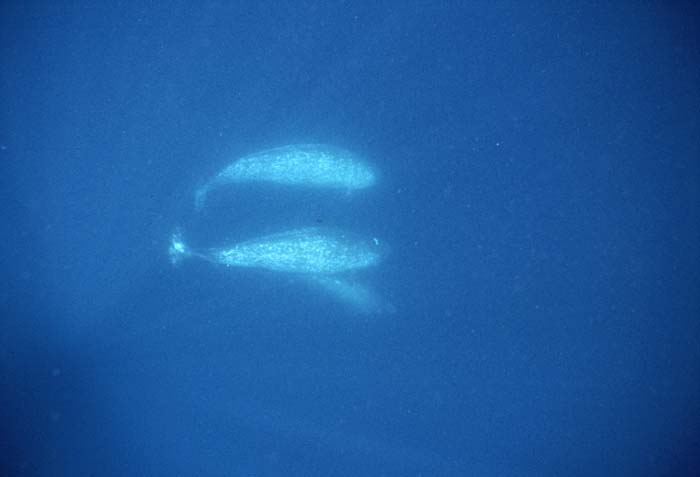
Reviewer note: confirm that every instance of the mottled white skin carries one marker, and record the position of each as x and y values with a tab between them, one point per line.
313	250
306	165
309	250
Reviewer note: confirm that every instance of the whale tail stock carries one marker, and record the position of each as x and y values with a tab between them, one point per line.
200	196
202	192
178	249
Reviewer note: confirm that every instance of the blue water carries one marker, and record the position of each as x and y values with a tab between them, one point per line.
539	190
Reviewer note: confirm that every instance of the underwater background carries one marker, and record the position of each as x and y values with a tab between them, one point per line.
539	188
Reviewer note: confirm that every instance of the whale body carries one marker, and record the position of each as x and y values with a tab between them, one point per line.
322	256
310	165
312	250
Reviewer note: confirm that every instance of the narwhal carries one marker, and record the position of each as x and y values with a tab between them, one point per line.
310	250
320	256
309	165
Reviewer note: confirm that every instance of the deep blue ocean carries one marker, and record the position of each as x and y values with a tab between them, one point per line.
538	192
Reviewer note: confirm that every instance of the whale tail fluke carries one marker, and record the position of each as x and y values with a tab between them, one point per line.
178	249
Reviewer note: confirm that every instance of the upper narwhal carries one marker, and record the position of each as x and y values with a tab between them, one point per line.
307	165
